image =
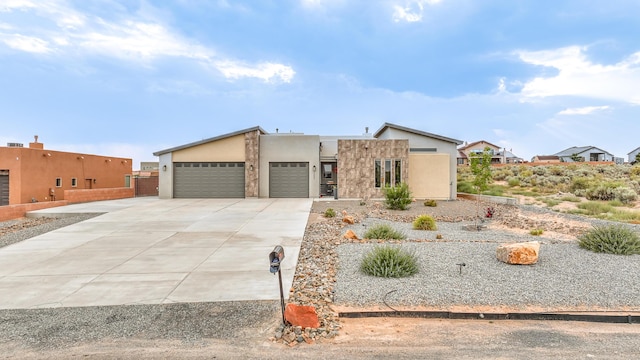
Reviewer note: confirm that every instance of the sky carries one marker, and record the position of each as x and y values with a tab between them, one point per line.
128	78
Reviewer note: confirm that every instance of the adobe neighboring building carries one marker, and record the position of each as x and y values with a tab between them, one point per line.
254	163
33	174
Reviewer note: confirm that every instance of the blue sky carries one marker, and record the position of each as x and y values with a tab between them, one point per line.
127	78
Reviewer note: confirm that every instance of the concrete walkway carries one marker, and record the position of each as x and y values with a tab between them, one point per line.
152	251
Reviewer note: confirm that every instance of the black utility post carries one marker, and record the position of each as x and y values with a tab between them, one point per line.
275	258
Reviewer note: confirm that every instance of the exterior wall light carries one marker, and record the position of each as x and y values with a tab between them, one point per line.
164	167
251	167
314	168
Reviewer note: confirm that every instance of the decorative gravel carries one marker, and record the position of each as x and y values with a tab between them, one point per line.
565	277
13	231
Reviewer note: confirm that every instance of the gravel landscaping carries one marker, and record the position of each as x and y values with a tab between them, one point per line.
327	275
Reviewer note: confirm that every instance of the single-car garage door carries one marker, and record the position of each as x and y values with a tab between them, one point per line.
208	180
289	179
4	187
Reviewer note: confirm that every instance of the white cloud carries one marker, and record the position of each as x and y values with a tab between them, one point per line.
265	71
25	43
411	11
579	76
583	110
129	40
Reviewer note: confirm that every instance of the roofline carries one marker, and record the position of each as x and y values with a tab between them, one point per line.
585	148
629	153
216	138
480	141
414	131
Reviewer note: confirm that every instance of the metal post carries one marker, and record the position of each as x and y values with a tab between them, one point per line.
281	297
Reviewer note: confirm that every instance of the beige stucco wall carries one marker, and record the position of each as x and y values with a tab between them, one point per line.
165	176
289	148
429	176
230	149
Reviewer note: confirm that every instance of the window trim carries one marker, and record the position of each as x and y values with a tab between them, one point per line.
58	182
74	182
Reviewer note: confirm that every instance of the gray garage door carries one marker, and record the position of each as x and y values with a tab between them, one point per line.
208	180
289	180
4	187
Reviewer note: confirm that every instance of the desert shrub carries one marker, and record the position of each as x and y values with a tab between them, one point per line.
501	174
594	208
513	181
624	194
612	239
571	198
494	190
424	222
580	192
615	203
551	202
389	262
525	174
397	197
536	232
556	170
465	187
540	170
430	203
601	192
635	171
329	213
580	183
383	232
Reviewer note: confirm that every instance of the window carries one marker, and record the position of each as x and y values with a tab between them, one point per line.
58	182
392	175
74	182
387	173
127	181
326	171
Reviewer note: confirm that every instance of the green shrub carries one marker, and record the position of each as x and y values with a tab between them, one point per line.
611	239
329	213
430	203
465	187
536	232
571	198
580	183
397	197
615	203
513	181
383	232
594	208
424	222
624	194
389	262
601	192
551	202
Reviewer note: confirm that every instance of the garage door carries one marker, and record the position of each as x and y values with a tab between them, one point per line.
208	180
289	180
4	187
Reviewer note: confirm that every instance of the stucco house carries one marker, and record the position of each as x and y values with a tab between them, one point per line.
584	153
498	154
545	159
632	155
255	163
34	174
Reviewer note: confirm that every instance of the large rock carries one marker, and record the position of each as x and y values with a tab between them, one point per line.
519	253
348	219
303	316
350	235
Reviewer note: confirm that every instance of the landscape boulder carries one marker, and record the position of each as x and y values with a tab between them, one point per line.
350	235
348	219
301	315
519	253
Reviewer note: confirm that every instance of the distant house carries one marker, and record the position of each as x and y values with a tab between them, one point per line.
584	153
632	155
33	174
545	159
498	154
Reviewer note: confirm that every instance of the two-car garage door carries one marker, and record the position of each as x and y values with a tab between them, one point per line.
208	180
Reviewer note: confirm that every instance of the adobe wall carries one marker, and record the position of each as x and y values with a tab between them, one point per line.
10	212
87	195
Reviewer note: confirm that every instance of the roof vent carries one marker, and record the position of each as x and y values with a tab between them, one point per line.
15	145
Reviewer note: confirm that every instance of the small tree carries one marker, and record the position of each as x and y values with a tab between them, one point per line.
577	158
481	169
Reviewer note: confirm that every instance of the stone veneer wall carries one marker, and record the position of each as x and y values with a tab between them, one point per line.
356	168
252	150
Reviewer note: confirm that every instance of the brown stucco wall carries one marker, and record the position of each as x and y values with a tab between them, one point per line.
252	159
356	165
33	172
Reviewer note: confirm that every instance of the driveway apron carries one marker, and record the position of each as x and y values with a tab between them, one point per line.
153	251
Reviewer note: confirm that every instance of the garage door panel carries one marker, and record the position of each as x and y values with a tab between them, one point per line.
209	180
289	180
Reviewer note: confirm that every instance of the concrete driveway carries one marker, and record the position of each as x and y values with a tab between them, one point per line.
152	251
